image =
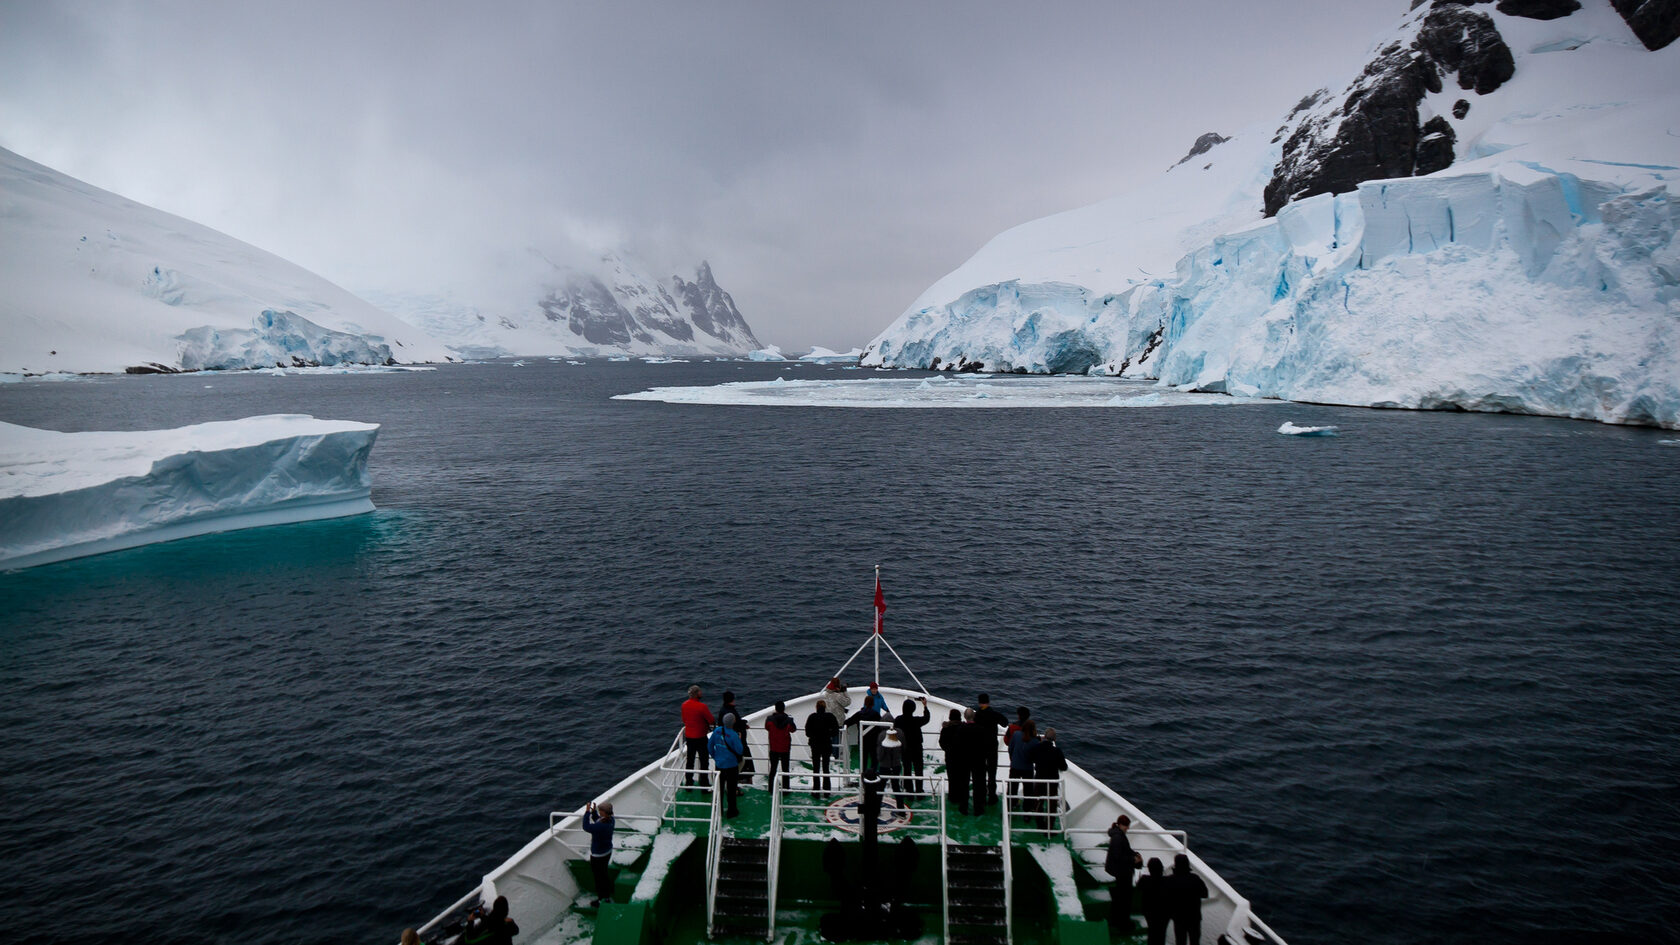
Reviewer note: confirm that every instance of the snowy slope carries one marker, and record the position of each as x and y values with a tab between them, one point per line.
95	283
615	308
66	495
1537	272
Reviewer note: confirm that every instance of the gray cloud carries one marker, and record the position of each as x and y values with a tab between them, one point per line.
831	160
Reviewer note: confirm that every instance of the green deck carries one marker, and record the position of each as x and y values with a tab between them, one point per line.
678	913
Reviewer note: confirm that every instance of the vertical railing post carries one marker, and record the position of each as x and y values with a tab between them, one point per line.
714	849
1008	876
944	871
775	853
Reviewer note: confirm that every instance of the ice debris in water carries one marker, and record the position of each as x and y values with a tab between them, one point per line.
915	392
1290	429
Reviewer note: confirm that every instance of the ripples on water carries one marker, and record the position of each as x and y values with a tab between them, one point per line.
1414	684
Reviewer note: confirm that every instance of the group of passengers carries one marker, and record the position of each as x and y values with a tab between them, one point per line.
1174	898
890	745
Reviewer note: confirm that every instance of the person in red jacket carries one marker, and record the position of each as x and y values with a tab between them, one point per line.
697	723
780	727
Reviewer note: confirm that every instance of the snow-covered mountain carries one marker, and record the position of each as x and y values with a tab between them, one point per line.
94	282
615	308
1482	218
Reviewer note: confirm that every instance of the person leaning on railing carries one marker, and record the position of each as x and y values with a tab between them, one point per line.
1048	763
821	730
697	721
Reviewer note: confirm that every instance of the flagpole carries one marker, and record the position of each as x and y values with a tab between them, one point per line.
877	627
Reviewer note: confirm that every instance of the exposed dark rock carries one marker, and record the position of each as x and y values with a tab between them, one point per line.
1435	148
1461	108
151	367
589	309
1376	132
635	309
1539	9
1655	22
1203	145
712	309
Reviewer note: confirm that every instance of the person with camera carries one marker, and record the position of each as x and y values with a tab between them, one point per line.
727	747
494	928
598	821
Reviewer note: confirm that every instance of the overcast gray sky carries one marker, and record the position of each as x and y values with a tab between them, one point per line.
831	160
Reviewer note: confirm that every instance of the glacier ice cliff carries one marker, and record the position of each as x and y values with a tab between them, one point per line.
96	283
67	495
1535	272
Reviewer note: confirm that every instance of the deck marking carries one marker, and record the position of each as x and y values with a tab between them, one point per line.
844	813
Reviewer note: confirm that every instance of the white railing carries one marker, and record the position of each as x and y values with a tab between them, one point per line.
1008	880
944	871
673	804
774	855
714	850
1019	803
1254	920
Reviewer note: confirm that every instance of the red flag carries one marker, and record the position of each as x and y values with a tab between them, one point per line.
880	605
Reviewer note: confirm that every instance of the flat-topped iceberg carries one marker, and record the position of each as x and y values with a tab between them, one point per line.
961	391
66	495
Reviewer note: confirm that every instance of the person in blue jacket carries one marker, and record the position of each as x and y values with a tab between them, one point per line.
598	821
727	747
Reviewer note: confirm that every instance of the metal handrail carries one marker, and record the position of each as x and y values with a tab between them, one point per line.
944	871
1008	880
714	848
775	853
1012	799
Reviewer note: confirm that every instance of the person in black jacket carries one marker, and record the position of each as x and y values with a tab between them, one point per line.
974	739
1048	763
821	729
745	772
1185	892
957	764
1119	863
909	726
990	720
1155	902
493	929
871	733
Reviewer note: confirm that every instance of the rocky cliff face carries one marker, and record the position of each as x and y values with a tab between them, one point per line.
1375	129
614	308
624	309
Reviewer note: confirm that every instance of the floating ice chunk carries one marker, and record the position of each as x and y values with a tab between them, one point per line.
901	392
1290	429
66	495
822	355
1668	442
769	353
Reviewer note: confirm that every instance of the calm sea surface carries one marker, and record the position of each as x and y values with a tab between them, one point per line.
1418	683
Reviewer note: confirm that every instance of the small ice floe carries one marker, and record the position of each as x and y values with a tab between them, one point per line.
517	364
1668	442
1290	429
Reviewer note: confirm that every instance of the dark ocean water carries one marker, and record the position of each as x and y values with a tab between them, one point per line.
1418	683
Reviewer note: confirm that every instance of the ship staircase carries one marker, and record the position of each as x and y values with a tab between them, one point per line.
976	894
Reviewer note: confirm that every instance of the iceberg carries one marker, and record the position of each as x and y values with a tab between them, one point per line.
821	355
967	391
1290	429
767	353
67	495
1538	273
96	283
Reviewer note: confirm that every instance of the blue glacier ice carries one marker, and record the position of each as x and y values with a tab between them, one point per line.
66	495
